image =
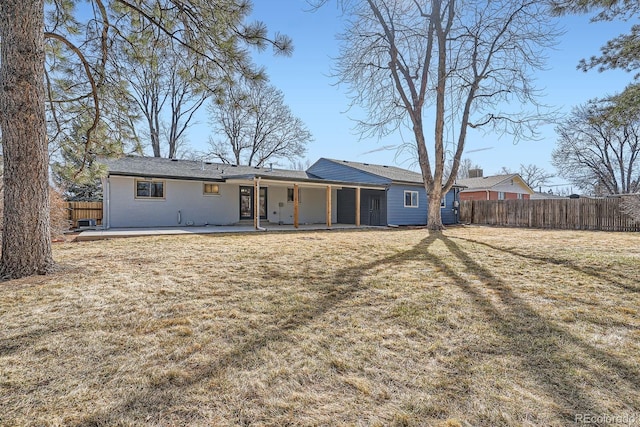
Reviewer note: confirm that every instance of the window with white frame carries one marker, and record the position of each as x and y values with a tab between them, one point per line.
410	199
211	189
500	195
520	196
290	195
149	189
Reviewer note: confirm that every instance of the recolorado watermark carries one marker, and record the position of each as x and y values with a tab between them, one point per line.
608	419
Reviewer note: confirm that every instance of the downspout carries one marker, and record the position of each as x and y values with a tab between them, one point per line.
106	209
257	208
487	194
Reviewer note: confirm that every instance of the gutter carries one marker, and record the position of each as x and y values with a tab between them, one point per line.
106	209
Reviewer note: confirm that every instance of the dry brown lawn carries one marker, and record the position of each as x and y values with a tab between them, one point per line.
476	326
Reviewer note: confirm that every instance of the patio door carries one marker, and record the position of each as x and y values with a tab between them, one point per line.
246	202
374	210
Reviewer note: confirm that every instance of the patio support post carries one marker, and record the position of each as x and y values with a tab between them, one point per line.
357	206
296	207
328	206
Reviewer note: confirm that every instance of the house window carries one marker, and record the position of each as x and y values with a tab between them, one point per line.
290	195
211	189
410	199
149	189
519	196
500	195
443	202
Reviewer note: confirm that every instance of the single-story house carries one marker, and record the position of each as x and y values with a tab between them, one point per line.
540	195
157	192
496	187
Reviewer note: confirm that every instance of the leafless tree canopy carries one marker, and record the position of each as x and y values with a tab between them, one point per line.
463	169
444	66
631	205
254	126
533	175
598	148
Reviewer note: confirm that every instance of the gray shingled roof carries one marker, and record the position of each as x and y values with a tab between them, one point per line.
189	169
393	173
197	170
484	182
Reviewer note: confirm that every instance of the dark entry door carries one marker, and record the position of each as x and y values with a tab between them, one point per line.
246	202
374	210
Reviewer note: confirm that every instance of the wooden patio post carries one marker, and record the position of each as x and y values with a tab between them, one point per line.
328	206
357	206
296	207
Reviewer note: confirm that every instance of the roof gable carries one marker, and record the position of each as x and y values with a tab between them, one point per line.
380	173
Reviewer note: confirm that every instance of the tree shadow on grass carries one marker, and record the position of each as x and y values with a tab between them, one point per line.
344	284
537	342
589	271
540	343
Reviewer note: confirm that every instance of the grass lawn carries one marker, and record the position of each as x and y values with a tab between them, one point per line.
475	326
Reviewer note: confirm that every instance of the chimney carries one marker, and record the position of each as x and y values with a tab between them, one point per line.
475	173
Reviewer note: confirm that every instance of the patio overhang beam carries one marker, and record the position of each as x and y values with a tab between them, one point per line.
323	184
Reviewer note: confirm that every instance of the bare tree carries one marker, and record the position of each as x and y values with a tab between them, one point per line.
598	148
164	82
464	167
533	175
453	61
257	126
300	165
631	206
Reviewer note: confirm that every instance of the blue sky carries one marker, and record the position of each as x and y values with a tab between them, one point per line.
310	91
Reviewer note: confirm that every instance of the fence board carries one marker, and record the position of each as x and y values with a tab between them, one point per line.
571	214
85	210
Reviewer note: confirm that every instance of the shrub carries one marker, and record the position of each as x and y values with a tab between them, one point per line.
631	206
58	212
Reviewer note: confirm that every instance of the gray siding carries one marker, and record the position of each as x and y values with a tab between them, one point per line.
124	210
329	170
184	196
311	210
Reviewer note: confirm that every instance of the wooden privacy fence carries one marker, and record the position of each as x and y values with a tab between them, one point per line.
84	210
571	214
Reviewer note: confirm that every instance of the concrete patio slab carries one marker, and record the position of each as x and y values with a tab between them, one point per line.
114	233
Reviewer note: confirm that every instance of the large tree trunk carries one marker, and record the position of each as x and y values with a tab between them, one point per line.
434	219
26	241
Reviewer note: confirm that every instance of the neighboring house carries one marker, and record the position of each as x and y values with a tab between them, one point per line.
541	195
156	192
496	187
